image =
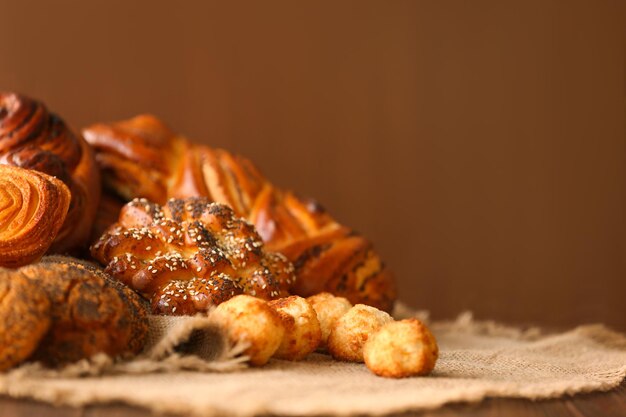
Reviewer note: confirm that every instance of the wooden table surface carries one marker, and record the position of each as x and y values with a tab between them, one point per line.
606	404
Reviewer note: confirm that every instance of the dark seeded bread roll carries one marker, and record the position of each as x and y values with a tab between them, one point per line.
24	317
90	312
189	255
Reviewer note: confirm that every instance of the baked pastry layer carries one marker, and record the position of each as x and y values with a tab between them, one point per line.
35	139
142	157
189	255
33	207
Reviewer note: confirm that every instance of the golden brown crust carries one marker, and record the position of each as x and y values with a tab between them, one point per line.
189	255
90	312
33	138
302	328
249	320
33	207
329	309
142	139
342	263
24	317
352	330
401	349
141	157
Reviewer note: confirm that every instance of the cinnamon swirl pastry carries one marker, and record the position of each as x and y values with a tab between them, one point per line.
190	254
33	138
142	157
33	207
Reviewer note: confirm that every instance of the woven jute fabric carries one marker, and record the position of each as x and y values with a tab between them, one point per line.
187	368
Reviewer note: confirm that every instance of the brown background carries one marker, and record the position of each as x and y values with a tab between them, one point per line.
481	145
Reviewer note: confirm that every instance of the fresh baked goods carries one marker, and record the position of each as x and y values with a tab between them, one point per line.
329	309
302	328
89	312
61	309
142	157
250	320
33	207
187	242
400	349
24	317
33	138
351	331
189	255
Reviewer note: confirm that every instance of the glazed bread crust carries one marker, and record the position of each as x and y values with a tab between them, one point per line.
33	138
33	207
142	157
189	255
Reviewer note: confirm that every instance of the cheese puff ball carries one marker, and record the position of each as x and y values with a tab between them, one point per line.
302	329
328	308
244	318
351	331
401	349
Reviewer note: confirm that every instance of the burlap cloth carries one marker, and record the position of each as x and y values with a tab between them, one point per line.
188	369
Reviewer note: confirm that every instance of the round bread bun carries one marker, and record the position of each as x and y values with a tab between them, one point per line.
351	331
189	255
24	317
247	319
302	328
401	349
329	309
90	312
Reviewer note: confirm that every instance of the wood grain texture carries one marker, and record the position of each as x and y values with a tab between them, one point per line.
480	145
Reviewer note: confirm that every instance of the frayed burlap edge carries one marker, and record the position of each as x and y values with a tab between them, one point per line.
605	339
173	344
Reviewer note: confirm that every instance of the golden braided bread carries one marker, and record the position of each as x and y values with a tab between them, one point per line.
33	138
142	157
33	207
189	255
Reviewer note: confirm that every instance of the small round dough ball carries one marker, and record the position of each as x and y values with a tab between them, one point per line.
244	318
329	309
351	331
400	349
302	329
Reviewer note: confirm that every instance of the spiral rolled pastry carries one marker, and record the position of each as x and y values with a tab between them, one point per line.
33	207
33	138
142	157
189	255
